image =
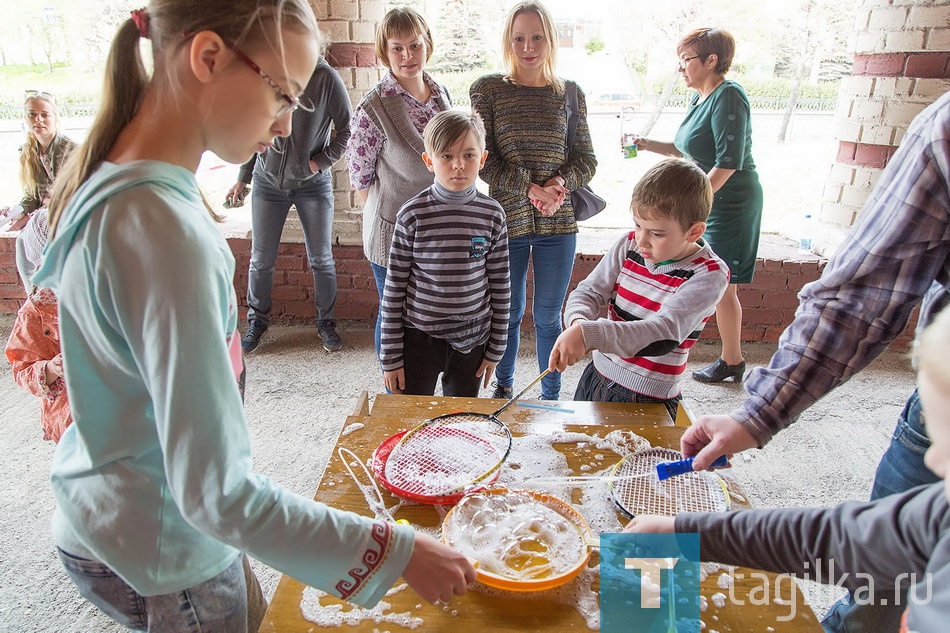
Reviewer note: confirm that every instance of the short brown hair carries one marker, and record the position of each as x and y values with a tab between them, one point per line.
448	126
676	189
397	22
711	41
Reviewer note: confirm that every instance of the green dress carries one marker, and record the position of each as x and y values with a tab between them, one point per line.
718	133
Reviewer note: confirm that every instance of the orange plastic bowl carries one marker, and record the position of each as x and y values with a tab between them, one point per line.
511	584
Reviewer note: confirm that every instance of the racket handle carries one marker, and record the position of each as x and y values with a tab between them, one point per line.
682	466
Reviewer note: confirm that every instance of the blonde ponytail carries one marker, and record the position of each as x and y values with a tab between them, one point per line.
122	91
168	22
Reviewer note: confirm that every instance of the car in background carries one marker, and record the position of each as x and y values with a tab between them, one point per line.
616	101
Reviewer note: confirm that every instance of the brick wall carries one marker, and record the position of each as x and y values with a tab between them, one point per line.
11	292
901	65
769	303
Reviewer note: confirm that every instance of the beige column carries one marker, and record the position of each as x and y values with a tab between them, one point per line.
901	65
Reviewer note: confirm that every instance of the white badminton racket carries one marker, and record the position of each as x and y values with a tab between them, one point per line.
636	489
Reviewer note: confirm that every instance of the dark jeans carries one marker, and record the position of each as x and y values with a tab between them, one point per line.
269	209
901	468
593	387
425	357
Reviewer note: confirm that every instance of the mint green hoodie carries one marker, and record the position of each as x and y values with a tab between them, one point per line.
154	476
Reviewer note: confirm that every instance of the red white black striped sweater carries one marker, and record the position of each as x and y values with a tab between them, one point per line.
655	314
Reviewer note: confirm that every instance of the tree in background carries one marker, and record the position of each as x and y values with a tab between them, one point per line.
461	36
594	45
804	38
801	35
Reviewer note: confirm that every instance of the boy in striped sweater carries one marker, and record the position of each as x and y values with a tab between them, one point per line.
660	283
447	292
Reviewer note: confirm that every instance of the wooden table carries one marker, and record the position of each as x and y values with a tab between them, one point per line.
415	409
482	610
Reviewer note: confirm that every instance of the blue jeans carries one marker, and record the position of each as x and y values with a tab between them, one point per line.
552	259
231	602
901	468
379	274
269	209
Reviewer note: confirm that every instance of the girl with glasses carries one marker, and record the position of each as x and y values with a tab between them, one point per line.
156	498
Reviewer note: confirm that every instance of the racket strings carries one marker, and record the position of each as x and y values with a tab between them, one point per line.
449	454
638	494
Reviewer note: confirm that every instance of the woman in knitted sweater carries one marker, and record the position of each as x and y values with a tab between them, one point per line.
531	172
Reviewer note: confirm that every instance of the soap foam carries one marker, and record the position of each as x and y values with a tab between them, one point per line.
515	536
327	615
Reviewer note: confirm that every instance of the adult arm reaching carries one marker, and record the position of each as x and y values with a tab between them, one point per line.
897	253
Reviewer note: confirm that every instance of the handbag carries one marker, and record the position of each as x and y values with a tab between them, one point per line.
586	203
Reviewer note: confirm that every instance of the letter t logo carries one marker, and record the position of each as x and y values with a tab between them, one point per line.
650	576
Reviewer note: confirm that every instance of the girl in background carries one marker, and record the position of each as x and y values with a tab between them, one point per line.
531	172
384	153
156	499
41	157
33	347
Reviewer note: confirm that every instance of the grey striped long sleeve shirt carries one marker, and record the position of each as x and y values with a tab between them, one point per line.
448	274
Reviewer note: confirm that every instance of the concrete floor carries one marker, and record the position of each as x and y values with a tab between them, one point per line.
298	397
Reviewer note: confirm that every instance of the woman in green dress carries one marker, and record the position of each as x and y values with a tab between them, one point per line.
717	135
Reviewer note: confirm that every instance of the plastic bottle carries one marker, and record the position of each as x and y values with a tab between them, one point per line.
806	232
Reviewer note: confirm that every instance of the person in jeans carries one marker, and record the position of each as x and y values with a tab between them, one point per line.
897	253
894	549
157	500
385	148
531	172
296	171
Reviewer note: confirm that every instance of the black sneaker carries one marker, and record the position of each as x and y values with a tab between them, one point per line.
252	338
505	393
331	340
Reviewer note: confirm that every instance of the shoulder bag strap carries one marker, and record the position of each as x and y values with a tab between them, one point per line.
570	106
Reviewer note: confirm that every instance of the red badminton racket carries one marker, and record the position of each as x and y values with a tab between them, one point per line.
451	453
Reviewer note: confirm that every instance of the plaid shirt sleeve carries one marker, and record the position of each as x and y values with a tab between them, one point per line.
897	251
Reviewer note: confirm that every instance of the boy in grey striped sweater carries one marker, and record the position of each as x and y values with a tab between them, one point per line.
447	293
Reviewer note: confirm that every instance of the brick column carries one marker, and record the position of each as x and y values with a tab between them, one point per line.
901	65
350	25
